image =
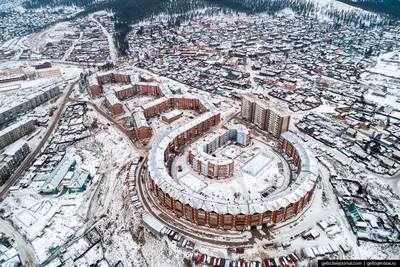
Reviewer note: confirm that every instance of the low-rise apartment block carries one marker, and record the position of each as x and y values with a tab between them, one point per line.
113	103
16	131
11	158
22	106
142	128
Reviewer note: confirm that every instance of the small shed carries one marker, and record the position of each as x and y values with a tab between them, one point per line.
154	225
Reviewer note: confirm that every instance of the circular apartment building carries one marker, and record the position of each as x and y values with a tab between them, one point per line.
236	213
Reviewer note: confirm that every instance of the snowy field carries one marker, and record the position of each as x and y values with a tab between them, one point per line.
258	159
193	182
37	41
258	163
388	64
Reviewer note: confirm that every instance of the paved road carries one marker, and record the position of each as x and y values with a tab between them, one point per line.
25	251
32	156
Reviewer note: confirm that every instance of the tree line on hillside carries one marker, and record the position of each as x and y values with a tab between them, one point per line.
390	7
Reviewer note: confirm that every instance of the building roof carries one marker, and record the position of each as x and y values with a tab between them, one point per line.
154	224
207	104
353	209
164	91
140	119
172	114
122	87
147	84
4	78
79	179
58	174
248	97
112	99
240	128
93	81
155	102
15	126
14	148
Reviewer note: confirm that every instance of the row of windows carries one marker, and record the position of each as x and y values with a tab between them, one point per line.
226	220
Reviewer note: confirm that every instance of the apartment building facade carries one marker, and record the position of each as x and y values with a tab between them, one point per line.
142	128
248	106
22	106
16	131
266	116
12	158
113	104
200	153
124	91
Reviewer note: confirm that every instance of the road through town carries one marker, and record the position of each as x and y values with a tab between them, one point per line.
25	250
32	156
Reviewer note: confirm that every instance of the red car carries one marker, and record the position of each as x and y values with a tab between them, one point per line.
293	258
240	250
198	259
267	263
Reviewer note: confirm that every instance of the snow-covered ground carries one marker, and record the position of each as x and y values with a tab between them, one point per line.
37	41
48	222
243	184
388	64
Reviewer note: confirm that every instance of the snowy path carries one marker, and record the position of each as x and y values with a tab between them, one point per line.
24	249
111	44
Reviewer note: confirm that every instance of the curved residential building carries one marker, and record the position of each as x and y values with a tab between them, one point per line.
220	213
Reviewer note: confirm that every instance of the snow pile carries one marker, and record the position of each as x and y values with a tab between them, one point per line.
369	250
379	189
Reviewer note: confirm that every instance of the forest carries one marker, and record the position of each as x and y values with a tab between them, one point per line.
390	7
